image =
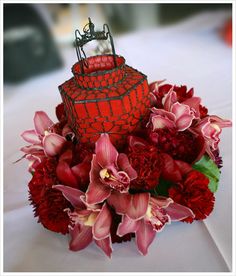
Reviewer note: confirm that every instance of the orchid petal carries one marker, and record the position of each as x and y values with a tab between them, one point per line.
72	195
144	237
102	225
163	113
42	122
161	122
162	201
33	149
34	161
178	212
81	237
31	136
97	191
169	99
220	122
65	175
180	109
138	205
106	153
153	99
53	144
193	103
123	163
120	202
105	245
184	122
126	226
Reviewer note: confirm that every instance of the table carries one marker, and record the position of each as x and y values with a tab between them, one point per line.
190	53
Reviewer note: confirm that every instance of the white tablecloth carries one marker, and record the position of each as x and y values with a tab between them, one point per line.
190	53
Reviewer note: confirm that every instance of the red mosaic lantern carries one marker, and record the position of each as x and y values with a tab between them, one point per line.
105	95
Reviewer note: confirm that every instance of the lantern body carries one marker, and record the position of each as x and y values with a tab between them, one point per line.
105	99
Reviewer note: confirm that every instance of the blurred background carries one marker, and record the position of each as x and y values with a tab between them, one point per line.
36	35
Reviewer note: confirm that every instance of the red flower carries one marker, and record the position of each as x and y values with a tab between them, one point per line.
147	162
193	192
73	166
49	204
180	145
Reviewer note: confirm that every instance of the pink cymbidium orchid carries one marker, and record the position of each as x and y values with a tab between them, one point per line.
43	139
88	222
145	215
109	171
175	115
211	127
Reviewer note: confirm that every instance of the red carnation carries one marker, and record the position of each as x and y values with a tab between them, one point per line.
147	162
193	192
181	145
49	204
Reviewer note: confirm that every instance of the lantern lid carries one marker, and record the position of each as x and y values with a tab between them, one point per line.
112	84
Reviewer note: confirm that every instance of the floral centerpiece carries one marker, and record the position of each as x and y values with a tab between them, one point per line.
167	172
160	166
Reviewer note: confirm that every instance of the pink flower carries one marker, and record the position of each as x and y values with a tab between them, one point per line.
43	139
109	171
145	215
211	127
88	222
175	115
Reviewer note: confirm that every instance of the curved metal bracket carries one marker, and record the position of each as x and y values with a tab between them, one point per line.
89	35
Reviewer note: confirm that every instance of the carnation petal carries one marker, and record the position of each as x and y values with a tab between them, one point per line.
81	237
138	205
123	163
126	226
42	122
72	195
102	225
144	237
105	245
106	153
31	136
53	144
178	212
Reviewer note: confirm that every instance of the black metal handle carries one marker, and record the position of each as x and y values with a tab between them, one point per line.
89	35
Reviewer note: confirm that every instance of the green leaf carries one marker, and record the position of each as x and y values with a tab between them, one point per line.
208	167
162	188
